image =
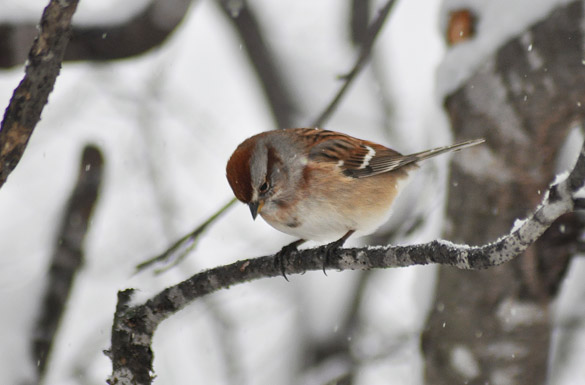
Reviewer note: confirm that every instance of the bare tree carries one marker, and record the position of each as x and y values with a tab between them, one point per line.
523	101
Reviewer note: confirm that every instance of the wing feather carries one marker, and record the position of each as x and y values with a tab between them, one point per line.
359	158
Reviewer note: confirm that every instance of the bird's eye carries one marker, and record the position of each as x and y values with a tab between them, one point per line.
264	188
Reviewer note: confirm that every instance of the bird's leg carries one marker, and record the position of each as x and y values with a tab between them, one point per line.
330	248
283	253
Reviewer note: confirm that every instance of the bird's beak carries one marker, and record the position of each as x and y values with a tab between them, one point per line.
255	208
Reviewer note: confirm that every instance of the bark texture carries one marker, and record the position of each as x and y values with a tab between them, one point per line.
494	326
30	97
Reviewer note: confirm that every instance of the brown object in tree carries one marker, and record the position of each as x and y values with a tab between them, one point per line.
461	26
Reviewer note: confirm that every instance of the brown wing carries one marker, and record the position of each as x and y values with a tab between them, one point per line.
360	158
357	158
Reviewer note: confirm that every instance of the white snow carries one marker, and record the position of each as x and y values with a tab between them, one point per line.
167	122
517	224
568	336
512	314
464	362
561	177
498	22
570	150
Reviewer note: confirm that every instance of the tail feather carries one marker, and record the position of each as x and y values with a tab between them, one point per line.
441	150
382	163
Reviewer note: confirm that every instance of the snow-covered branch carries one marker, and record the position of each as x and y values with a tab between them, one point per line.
134	325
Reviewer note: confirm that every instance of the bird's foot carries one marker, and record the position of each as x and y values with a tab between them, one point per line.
282	256
332	248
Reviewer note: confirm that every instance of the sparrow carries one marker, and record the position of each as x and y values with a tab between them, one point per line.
321	185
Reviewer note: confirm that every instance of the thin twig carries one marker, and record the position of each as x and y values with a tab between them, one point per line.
179	250
360	12
262	58
362	59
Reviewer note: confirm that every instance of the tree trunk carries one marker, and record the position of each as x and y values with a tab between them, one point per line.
494	326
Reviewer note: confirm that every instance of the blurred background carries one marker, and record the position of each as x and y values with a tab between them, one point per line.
166	90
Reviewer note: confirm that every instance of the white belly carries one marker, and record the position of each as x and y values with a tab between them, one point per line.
317	219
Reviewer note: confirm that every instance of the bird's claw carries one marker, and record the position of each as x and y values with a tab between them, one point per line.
279	258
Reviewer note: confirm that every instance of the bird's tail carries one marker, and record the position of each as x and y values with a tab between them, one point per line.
394	161
441	150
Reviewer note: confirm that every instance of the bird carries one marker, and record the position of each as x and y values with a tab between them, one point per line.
321	185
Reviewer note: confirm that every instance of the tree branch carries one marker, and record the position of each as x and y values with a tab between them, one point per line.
67	256
142	32
32	94
366	50
134	326
263	61
147	30
360	11
181	247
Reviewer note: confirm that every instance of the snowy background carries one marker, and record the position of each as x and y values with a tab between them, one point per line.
167	122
